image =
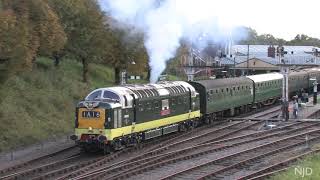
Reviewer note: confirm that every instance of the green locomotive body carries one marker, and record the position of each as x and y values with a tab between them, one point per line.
115	117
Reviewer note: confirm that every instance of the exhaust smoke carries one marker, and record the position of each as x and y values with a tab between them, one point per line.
166	22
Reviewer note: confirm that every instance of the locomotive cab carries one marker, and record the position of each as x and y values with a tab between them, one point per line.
94	117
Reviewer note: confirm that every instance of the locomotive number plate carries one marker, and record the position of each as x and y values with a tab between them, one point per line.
90	114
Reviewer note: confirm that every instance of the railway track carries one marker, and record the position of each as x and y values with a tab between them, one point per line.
275	168
49	166
226	130
147	147
146	163
68	152
185	155
122	162
229	163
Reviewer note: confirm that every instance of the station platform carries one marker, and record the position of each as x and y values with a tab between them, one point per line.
306	110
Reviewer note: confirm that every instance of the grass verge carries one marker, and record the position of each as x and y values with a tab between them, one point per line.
40	104
308	168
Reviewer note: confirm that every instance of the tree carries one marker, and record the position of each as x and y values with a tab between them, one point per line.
128	48
48	28
84	24
30	28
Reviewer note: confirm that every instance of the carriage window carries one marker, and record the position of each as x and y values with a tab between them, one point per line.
173	102
227	89
179	101
211	91
94	96
156	105
185	100
238	88
149	106
140	107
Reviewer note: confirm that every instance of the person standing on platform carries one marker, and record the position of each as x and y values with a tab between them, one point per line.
295	109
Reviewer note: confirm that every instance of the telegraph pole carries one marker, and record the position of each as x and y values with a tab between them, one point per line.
284	68
248	59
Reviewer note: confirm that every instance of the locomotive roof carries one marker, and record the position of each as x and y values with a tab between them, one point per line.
265	77
125	93
216	83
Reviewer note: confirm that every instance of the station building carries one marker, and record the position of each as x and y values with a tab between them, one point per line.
256	59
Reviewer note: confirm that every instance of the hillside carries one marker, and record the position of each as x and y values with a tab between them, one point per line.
40	104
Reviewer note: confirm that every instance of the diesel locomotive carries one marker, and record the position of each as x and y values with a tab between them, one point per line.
115	117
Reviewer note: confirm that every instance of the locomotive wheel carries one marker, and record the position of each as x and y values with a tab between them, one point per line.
117	145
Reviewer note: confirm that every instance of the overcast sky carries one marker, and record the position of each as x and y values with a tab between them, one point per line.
282	18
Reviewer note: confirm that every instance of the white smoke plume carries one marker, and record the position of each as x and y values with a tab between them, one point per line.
166	22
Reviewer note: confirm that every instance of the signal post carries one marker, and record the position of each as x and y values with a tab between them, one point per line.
284	69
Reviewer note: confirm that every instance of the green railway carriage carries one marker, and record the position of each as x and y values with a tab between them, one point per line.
224	94
266	86
298	80
117	116
313	73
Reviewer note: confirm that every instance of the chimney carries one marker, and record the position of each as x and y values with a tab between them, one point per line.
271	51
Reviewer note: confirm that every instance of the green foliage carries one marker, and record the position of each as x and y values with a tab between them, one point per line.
29	27
87	32
127	49
40	104
267	39
312	162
